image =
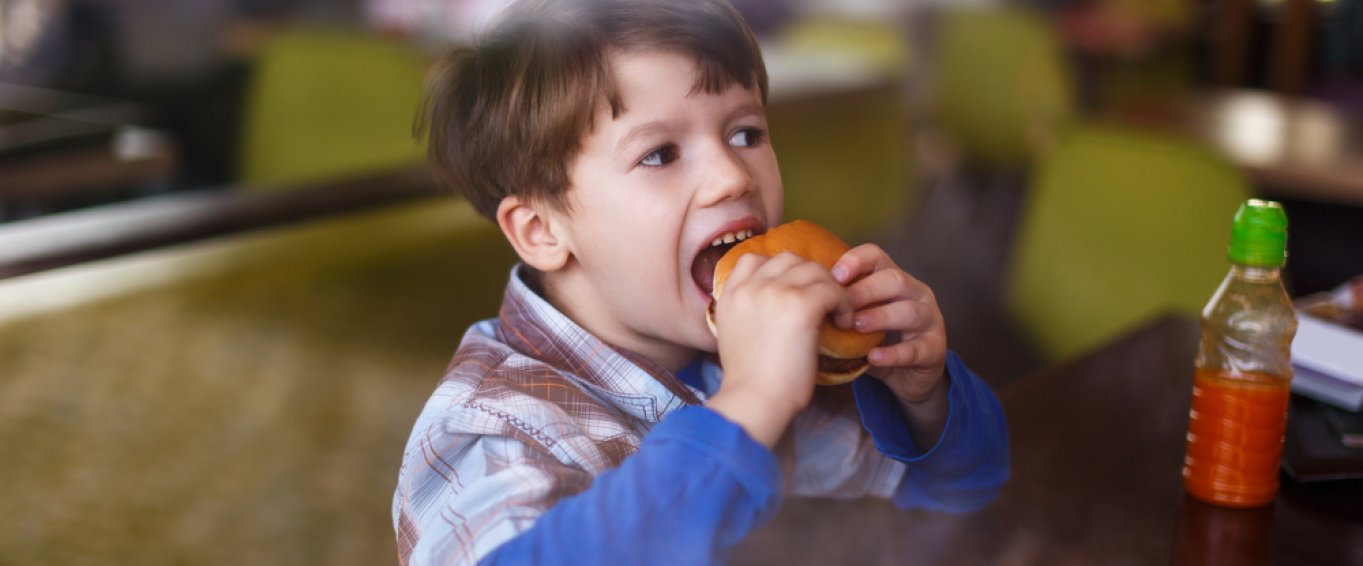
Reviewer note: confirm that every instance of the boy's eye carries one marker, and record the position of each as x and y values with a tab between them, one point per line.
659	157
746	137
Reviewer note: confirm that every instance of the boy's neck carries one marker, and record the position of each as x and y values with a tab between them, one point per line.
534	280
553	288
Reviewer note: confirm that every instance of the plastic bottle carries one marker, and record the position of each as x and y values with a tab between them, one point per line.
1243	369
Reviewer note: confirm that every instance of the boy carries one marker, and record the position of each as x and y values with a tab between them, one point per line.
613	141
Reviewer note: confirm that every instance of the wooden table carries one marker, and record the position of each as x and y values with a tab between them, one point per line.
1097	448
1301	148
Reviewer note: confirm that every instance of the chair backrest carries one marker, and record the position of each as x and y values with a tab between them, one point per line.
1002	86
327	103
879	43
1118	226
844	160
839	124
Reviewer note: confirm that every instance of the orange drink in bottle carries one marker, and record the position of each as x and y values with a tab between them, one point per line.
1243	369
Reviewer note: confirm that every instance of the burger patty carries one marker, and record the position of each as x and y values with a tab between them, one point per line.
831	365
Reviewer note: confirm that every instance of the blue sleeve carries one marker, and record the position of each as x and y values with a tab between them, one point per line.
969	463
697	485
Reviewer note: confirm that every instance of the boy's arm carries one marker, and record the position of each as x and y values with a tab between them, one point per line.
839	454
966	465
918	395
697	485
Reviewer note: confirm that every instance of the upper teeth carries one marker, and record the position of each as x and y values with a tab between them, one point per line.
732	237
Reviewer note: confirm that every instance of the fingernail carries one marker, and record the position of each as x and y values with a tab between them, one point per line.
860	322
840	273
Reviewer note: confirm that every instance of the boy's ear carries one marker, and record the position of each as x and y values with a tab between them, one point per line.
534	233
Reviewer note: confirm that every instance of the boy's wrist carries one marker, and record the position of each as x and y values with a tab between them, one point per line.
927	417
765	422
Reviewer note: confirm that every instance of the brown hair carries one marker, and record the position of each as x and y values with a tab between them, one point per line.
508	117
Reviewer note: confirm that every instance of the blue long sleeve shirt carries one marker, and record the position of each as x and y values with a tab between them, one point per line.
698	478
542	444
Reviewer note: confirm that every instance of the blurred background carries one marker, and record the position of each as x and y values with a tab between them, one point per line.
228	282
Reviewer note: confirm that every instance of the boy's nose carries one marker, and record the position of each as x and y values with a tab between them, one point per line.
726	178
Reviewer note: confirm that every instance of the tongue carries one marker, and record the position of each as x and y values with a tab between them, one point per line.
703	268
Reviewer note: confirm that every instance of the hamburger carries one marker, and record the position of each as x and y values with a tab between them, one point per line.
842	352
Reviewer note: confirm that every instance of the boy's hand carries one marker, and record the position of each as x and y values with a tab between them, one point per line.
913	358
768	323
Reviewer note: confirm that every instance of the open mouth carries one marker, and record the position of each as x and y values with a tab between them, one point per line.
703	267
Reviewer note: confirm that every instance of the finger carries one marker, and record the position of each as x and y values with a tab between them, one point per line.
842	311
889	285
832	297
785	261
795	273
920	351
907	317
810	278
774	270
791	269
747	265
805	277
859	262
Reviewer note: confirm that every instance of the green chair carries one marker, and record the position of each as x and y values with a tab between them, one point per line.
844	159
1119	225
839	124
329	103
881	44
1002	86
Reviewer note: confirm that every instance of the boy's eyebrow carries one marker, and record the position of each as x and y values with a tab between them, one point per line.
658	127
642	130
750	109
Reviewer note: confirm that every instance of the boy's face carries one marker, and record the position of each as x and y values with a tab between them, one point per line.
650	190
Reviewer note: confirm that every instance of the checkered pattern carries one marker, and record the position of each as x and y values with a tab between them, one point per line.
533	407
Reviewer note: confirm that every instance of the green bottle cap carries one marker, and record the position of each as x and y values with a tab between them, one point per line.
1258	238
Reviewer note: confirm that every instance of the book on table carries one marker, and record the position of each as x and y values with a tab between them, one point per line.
1327	353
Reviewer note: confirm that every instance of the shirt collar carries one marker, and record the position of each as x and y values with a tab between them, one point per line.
632	382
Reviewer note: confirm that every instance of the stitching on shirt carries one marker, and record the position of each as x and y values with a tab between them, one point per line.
496	362
516	422
646	405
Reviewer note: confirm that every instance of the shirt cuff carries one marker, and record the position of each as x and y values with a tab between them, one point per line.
966	466
883	417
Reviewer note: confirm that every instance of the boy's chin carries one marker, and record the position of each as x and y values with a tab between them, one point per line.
706	342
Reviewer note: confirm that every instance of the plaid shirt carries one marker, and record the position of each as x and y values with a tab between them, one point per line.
533	407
